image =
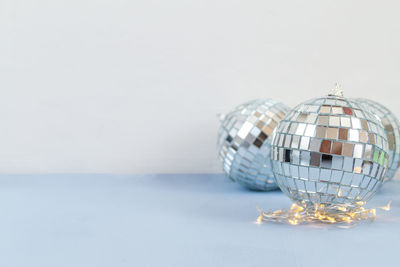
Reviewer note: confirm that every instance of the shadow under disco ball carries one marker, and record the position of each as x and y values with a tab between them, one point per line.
244	143
392	128
330	150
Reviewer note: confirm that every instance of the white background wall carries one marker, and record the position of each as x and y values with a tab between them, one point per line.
134	86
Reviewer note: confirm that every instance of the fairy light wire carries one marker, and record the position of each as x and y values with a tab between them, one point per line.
319	213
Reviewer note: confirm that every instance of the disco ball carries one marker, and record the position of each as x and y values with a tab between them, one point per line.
330	150
244	143
392	128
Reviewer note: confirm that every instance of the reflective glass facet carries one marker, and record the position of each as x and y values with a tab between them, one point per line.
244	142
341	156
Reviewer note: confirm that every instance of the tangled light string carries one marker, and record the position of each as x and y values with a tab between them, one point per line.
333	214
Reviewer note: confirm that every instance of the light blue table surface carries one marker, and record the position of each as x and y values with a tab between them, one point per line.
174	220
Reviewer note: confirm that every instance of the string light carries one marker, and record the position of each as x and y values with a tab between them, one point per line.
319	213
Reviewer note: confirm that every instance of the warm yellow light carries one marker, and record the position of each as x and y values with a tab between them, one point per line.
319	213
259	219
339	193
387	207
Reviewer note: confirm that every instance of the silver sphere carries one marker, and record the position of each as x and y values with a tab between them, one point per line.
330	150
392	128
244	143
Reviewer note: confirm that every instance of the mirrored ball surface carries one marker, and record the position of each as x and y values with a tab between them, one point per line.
330	150
244	143
392	128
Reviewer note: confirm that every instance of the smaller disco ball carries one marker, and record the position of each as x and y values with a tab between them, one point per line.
330	150
244	143
392	128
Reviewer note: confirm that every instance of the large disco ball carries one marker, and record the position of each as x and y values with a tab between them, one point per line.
244	143
392	128
330	150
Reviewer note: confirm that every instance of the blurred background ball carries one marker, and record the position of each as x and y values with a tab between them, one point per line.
392	128
330	150
244	142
